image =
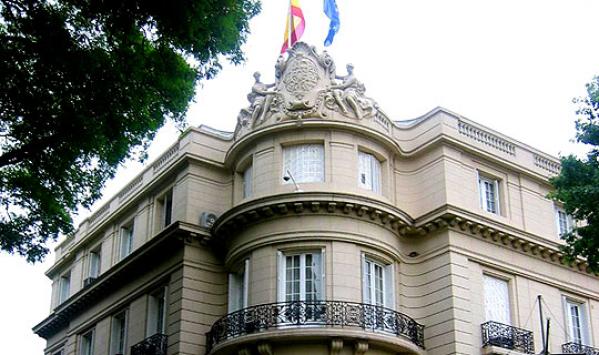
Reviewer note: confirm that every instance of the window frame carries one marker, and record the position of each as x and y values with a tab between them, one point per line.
303	176
247	181
388	289
115	348
83	350
238	288
569	222
64	293
95	262
508	296
154	313
482	193
583	318
374	175
129	229
319	281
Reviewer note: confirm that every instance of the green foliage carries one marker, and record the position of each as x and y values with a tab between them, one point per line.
86	84
577	186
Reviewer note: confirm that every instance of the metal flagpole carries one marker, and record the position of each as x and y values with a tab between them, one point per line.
539	299
290	26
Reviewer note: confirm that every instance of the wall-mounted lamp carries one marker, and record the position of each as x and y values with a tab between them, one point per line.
288	175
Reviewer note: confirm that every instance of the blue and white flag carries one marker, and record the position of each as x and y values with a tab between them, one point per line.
332	12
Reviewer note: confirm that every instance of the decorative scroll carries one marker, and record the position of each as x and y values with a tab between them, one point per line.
508	337
574	348
154	345
310	314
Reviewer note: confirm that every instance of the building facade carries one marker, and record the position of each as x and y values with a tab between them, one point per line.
320	226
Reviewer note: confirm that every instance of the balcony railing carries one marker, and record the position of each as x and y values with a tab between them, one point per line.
154	345
508	337
310	314
574	348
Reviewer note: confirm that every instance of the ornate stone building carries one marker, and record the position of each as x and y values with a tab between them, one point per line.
321	226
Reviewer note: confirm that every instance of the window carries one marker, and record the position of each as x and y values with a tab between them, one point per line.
238	288
87	343
489	194
369	172
564	221
126	242
94	263
165	209
118	337
377	283
497	300
247	182
305	162
64	287
301	277
576	322
157	312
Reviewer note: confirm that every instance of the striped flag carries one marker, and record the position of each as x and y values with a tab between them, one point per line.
295	24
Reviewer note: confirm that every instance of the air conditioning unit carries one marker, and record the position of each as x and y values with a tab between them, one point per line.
207	219
88	281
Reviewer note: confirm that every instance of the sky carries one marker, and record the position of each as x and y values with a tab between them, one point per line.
513	66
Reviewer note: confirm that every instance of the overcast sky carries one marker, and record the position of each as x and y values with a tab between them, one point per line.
513	66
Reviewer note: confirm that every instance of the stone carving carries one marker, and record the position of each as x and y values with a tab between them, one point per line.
306	87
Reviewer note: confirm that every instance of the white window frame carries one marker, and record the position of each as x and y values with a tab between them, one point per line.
369	284
583	336
248	181
64	287
167	208
238	288
86	343
482	194
569	222
118	333
156	315
127	233
490	295
319	282
369	172
95	262
305	162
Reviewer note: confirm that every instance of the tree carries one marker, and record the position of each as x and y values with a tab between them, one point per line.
85	86
577	185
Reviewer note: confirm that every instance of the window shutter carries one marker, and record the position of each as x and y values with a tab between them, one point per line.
497	205
280	277
365	294
390	286
322	292
376	174
317	267
246	279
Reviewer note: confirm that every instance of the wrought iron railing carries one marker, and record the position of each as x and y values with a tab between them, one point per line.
574	348
508	337
154	345
318	313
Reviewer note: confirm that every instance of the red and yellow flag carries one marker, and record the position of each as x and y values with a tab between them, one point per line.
294	27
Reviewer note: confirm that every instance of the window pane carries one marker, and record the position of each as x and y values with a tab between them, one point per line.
369	172
497	303
305	162
247	182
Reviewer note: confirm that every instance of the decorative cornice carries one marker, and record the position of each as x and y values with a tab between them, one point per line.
304	203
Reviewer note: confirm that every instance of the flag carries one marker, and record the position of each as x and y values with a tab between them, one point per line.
295	19
332	12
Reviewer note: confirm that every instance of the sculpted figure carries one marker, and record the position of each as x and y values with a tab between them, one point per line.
260	99
327	62
348	91
279	68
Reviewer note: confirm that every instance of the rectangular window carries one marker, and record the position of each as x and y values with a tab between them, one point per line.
377	283
301	277
247	182
64	287
238	288
564	221
157	312
497	300
305	162
87	343
576	322
126	242
95	257
369	172
489	194
118	336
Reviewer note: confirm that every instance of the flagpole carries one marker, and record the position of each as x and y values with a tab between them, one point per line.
290	26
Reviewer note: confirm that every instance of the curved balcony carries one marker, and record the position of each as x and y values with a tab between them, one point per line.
332	314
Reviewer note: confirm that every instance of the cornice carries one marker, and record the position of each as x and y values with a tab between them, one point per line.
178	231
